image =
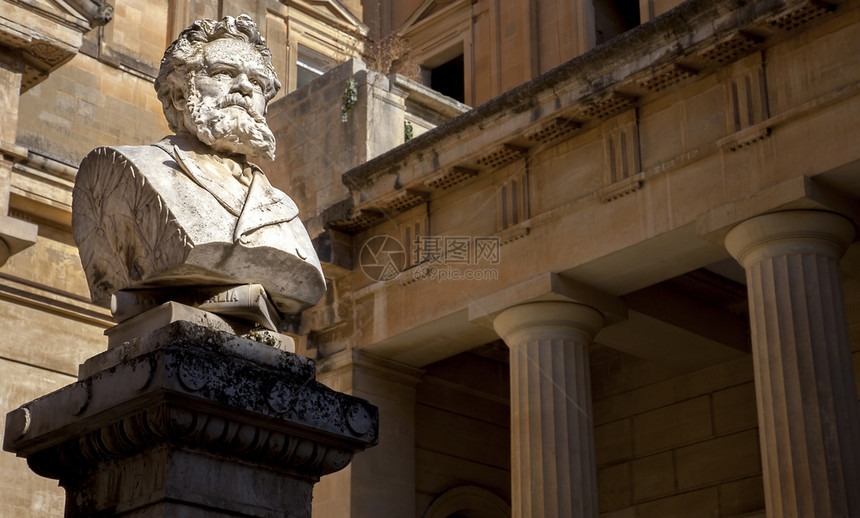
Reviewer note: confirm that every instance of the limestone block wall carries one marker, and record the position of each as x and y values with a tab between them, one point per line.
314	148
675	445
507	43
670	445
652	8
89	104
104	96
316	145
462	426
666	444
24	493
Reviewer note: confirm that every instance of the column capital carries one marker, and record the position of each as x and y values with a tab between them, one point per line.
547	320
790	232
546	287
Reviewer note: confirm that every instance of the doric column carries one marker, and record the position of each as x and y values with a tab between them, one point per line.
809	421
552	442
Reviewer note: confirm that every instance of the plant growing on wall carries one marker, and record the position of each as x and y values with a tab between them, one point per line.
350	97
386	54
390	54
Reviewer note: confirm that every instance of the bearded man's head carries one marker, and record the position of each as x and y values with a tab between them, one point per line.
215	82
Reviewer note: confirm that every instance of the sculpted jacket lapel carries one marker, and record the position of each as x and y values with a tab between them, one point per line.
264	206
189	162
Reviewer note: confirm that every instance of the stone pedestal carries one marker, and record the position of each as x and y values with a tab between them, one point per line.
553	470
809	421
191	422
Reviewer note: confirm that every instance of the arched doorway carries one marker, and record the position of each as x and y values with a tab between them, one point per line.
468	502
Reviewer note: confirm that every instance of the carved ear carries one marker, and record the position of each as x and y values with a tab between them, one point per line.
178	98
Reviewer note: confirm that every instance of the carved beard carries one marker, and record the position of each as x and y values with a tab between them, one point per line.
229	125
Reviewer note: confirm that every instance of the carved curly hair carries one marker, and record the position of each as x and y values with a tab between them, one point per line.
184	56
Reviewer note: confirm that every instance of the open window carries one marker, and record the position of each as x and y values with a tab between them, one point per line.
613	17
446	73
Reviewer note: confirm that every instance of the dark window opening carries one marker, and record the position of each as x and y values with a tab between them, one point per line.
612	17
449	79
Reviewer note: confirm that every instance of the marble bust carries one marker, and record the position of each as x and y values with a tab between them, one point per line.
192	210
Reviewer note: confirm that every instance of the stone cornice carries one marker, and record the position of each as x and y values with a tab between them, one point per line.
98	12
45	35
332	11
581	93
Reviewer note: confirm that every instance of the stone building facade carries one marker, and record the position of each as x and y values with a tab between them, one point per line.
612	273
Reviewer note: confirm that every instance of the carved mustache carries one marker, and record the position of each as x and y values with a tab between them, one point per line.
236	99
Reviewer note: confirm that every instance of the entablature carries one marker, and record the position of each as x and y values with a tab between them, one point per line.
588	92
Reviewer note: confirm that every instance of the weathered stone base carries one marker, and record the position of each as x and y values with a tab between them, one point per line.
191	422
170	312
184	482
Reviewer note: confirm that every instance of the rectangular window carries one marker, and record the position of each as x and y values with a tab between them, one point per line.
612	17
446	73
310	65
449	79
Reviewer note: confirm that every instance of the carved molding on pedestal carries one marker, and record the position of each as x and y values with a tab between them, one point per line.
167	423
181	396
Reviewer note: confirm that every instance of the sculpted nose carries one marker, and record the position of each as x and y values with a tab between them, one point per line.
243	85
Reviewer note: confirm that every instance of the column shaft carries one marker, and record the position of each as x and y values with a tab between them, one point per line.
553	470
809	419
